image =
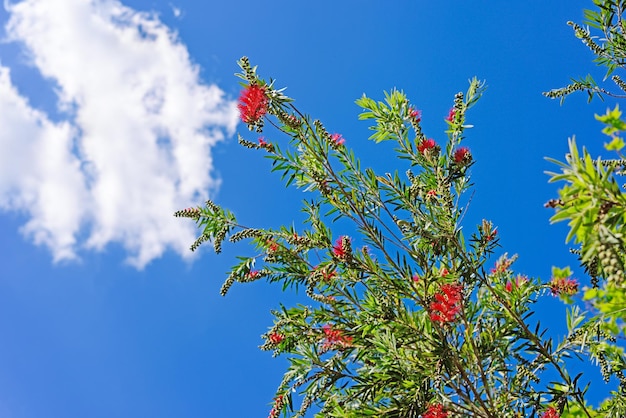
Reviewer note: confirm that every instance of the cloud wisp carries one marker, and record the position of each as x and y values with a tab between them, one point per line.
136	141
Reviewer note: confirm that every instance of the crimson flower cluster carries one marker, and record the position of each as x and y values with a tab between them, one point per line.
279	401
252	103
426	145
435	411
563	286
462	155
447	303
275	338
340	249
335	337
550	413
337	140
451	115
519	281
415	114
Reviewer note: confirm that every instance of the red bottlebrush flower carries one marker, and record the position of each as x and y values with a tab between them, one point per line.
519	282
444	272
416	278
435	411
335	337
431	194
275	338
426	145
279	402
415	114
502	265
337	139
563	285
327	275
272	246
253	274
462	155
341	248
447	303
451	115
252	103
550	413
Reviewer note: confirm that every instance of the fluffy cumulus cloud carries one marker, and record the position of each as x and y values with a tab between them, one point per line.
136	142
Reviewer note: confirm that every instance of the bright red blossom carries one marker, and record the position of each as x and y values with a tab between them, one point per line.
252	103
339	249
447	303
279	402
415	114
563	285
275	338
451	115
550	413
335	337
435	411
461	155
426	145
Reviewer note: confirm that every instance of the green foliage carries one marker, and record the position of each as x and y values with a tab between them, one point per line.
404	314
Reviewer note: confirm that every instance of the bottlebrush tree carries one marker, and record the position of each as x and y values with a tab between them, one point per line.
406	318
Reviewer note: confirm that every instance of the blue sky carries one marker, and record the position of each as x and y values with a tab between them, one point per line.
104	133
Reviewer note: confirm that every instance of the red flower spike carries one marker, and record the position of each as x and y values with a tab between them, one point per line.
447	302
415	114
435	411
279	401
462	155
252	103
451	115
340	250
275	338
550	413
426	145
334	337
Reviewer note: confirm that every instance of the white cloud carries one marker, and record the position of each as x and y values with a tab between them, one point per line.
136	143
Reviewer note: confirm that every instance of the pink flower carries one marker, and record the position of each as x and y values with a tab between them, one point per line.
415	114
337	139
253	274
502	265
550	413
447	303
451	115
252	103
416	278
509	286
462	155
426	145
435	411
561	285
